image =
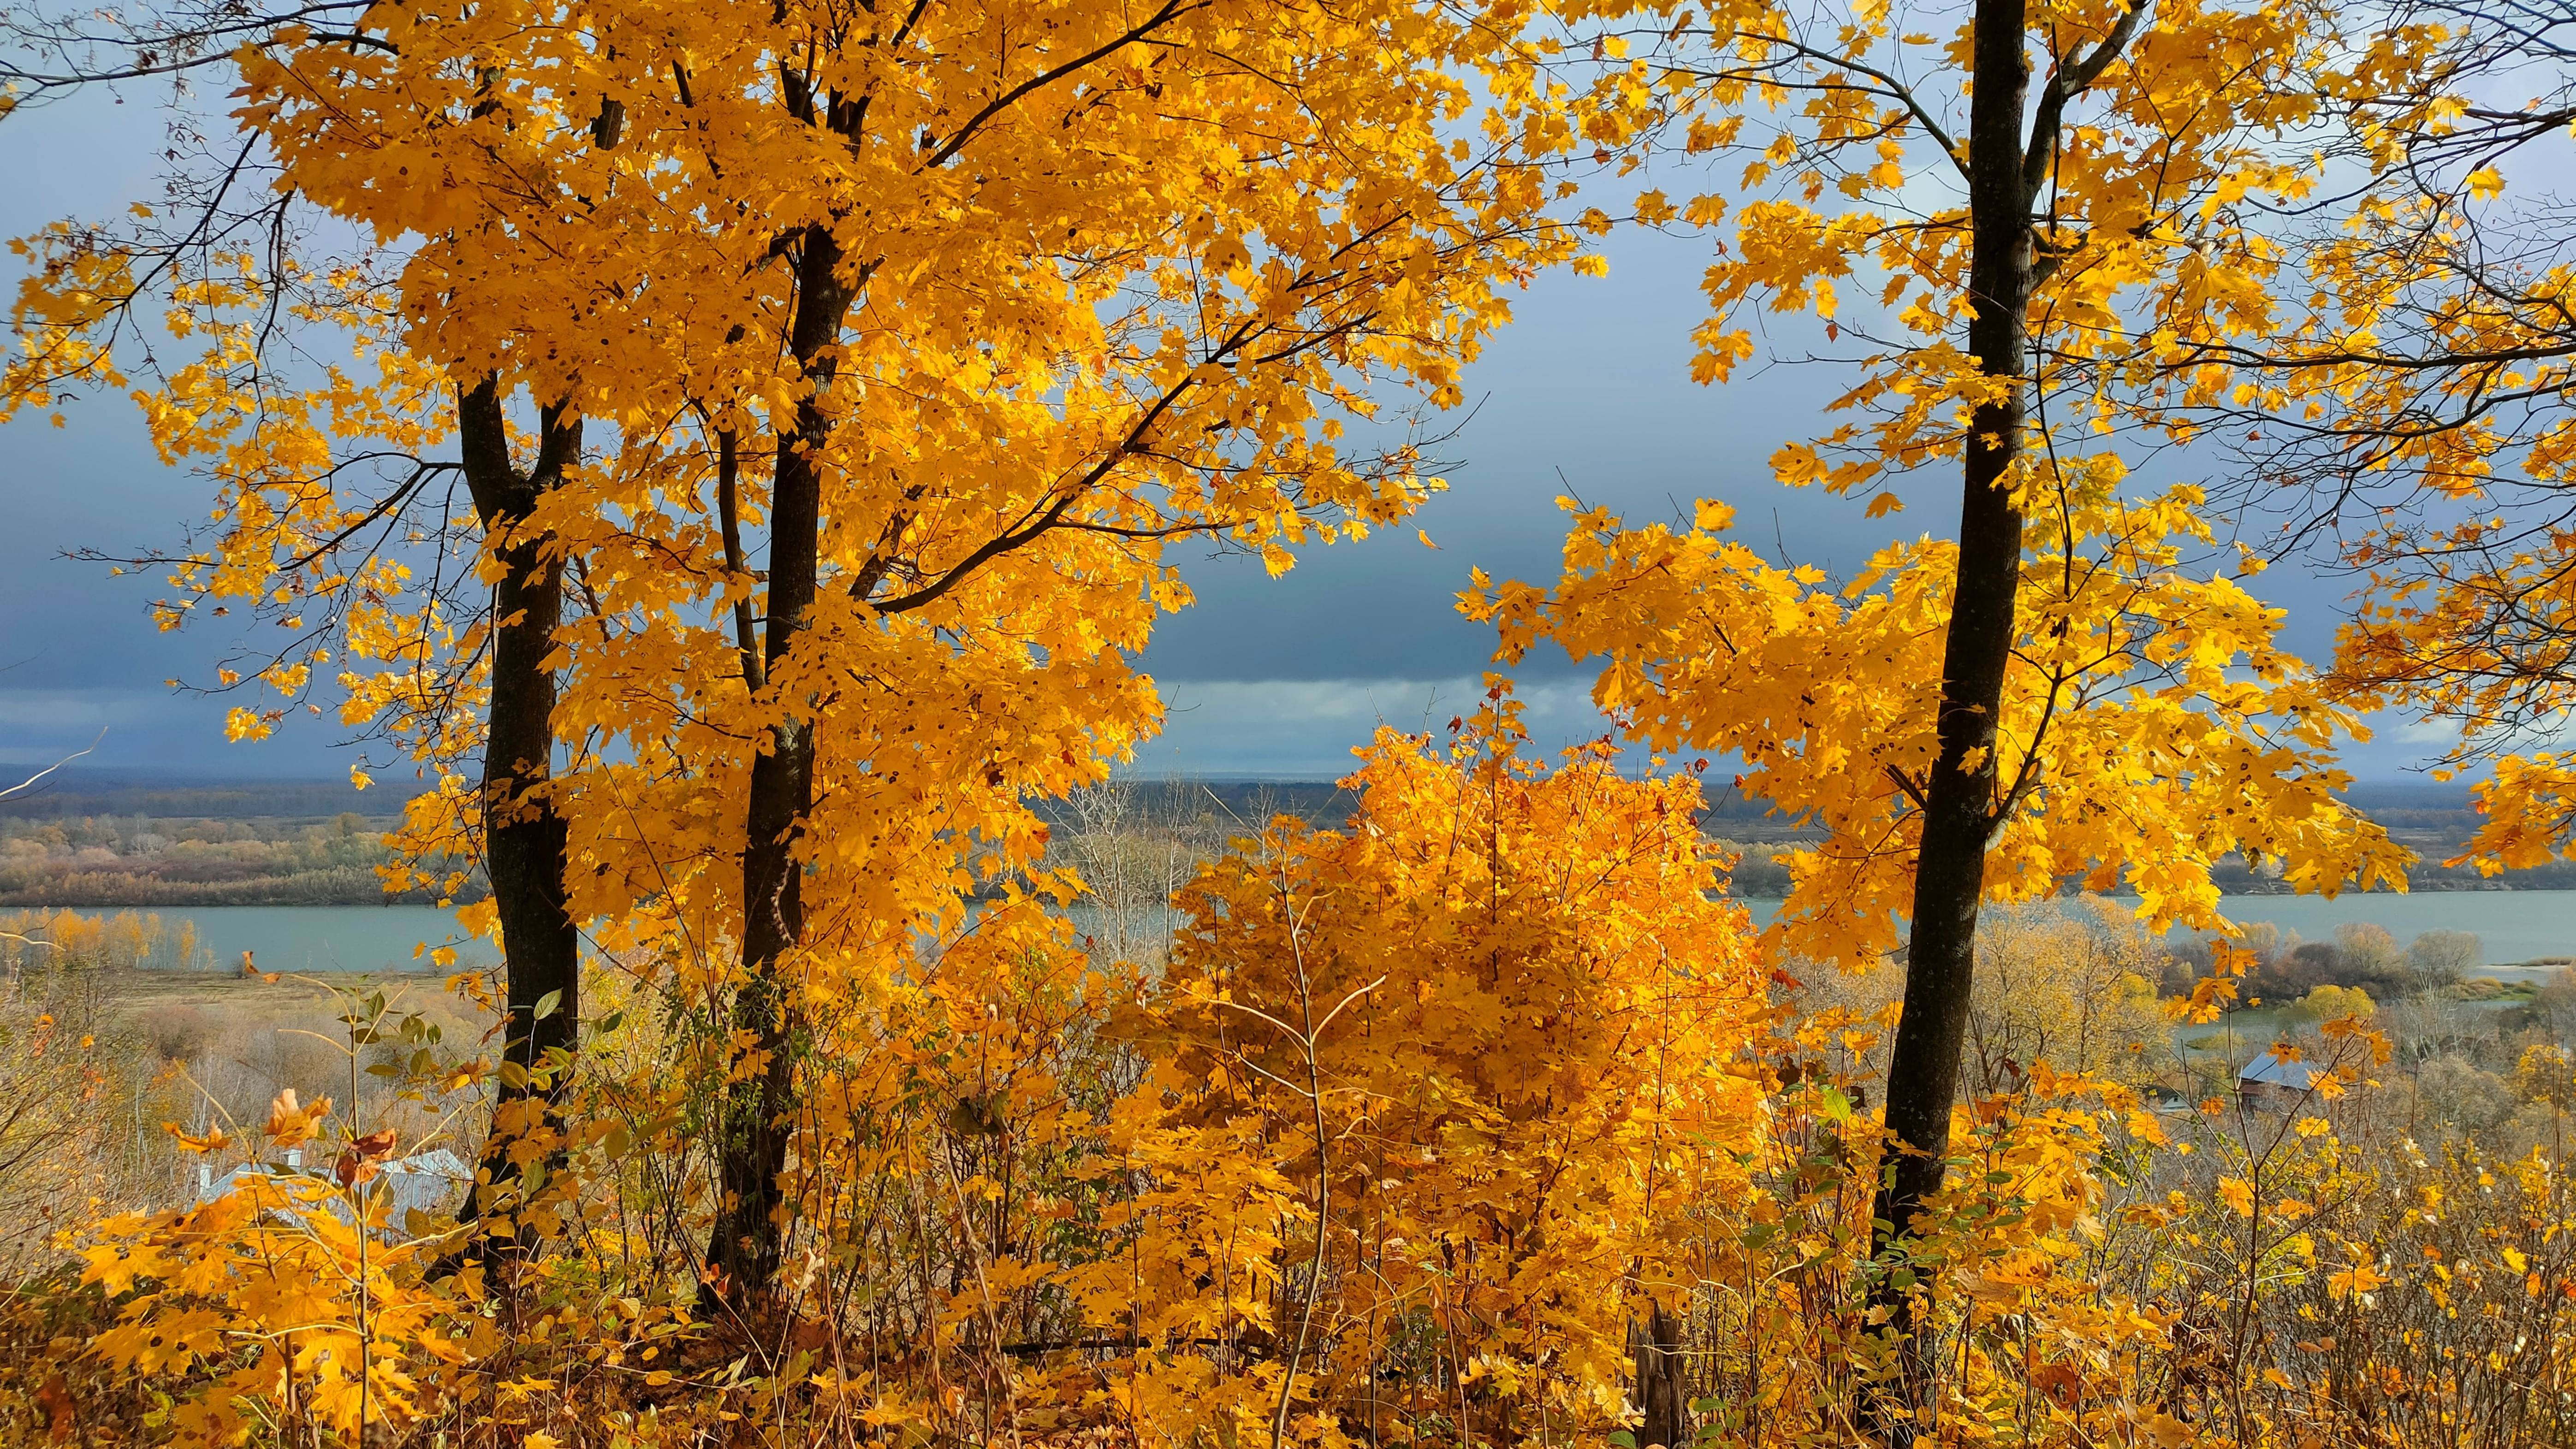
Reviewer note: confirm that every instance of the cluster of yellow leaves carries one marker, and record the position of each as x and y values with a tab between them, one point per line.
2151	725
2460	630
290	1299
2146	253
2415	382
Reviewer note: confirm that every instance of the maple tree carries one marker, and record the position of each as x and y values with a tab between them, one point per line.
337	521
327	514
2065	688
2407	422
896	317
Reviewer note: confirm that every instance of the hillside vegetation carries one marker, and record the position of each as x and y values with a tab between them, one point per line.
2136	1253
735	459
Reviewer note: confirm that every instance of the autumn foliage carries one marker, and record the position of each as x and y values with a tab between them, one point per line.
1425	1086
736	454
1448	1121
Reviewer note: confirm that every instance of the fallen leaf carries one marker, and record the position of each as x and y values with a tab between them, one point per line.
55	1398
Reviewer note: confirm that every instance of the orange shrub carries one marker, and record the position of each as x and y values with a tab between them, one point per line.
1433	1097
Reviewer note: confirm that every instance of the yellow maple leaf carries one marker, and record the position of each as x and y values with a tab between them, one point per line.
2238	1194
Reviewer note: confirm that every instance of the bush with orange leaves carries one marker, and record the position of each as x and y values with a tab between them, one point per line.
1474	1121
280	1303
291	1307
1434	1100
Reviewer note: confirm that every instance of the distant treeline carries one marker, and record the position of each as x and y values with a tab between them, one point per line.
193	844
2434	821
1216	804
95	839
72	793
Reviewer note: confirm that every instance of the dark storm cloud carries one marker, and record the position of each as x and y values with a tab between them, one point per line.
1589	392
78	652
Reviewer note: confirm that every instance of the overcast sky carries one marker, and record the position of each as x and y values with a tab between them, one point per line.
1588	390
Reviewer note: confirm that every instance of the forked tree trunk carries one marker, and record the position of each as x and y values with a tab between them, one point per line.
523	827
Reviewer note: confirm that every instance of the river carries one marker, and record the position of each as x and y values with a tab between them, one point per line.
2512	926
323	938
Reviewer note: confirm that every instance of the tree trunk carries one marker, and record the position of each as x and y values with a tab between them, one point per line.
1959	798
523	827
746	1242
1662	1391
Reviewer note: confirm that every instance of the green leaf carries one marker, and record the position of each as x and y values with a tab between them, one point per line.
547	1003
1838	1108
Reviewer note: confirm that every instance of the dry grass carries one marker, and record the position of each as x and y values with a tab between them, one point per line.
101	1063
